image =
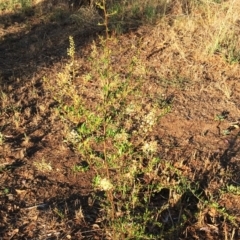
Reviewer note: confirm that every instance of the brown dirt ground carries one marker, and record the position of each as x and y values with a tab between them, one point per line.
33	47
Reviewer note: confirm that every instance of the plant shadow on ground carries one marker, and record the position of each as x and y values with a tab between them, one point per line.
195	205
216	213
228	159
67	213
35	42
33	39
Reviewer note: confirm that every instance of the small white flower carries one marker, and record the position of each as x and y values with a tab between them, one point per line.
150	118
150	147
73	136
130	109
148	121
105	184
121	137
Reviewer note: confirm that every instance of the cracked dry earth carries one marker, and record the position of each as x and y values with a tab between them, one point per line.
200	135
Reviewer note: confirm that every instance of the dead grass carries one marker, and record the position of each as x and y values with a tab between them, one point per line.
131	137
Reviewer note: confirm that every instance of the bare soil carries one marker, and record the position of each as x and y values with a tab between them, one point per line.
200	135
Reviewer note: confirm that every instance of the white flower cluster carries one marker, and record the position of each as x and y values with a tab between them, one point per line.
121	137
148	121
150	147
131	109
73	136
104	184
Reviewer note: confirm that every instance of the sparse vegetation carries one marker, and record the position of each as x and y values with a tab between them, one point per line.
131	133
